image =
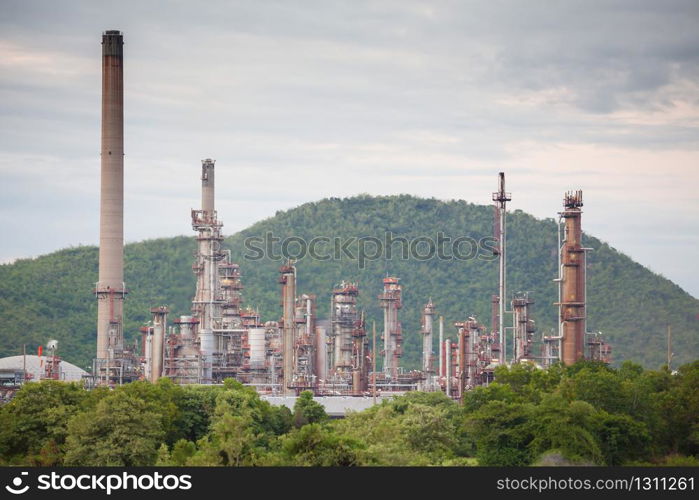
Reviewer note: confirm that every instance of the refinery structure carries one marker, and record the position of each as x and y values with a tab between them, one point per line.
325	348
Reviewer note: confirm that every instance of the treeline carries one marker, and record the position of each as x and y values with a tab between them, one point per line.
584	414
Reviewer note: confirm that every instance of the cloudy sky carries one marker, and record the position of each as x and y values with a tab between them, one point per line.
302	100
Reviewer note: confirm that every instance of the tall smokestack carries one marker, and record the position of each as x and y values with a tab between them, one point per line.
110	289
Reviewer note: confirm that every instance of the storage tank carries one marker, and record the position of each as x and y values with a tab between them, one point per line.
256	338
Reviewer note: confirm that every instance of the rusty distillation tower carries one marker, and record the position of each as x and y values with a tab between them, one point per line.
572	289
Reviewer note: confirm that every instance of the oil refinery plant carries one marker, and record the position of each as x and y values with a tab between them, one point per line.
330	352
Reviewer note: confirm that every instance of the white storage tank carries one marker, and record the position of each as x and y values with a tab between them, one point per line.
256	339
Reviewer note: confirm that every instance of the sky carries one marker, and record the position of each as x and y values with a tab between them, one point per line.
301	100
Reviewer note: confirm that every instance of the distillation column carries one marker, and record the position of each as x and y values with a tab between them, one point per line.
159	320
390	301
288	282
321	353
309	346
572	281
183	362
344	318
206	306
523	327
360	352
304	372
472	355
427	321
110	288
448	367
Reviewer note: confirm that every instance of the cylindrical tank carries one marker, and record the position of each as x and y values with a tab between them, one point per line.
186	327
321	353
159	327
148	353
207	345
256	338
356	382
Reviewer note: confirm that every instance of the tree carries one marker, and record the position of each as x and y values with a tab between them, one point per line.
315	445
233	440
308	411
678	407
599	386
163	458
243	427
556	424
478	397
502	434
162	397
621	438
182	451
121	431
36	420
428	430
624	417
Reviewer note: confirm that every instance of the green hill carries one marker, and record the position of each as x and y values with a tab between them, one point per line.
50	296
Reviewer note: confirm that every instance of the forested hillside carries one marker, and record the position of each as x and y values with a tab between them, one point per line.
51	296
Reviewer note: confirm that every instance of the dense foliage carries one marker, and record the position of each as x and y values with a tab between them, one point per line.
584	414
50	296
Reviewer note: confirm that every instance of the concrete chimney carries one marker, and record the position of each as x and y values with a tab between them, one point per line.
110	289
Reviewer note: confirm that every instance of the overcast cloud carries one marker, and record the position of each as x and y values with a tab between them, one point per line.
302	100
